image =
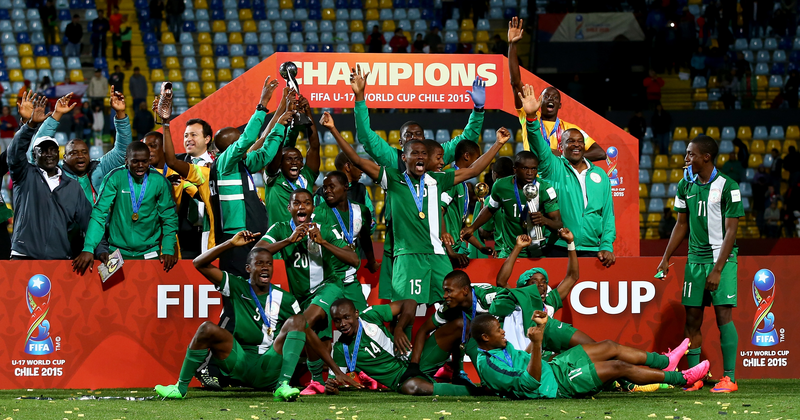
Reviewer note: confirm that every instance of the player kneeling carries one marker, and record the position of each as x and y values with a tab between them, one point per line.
578	372
268	336
366	345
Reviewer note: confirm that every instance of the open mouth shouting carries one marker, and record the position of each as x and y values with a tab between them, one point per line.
302	216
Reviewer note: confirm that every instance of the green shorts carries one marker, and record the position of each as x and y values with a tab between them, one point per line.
355	293
433	357
557	335
575	374
694	284
419	277
252	369
324	298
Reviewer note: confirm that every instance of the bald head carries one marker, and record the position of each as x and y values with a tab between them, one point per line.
225	137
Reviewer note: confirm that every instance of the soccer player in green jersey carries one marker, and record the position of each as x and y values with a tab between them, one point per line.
267	338
709	205
577	373
507	194
353	221
501	168
316	259
386	155
287	171
366	345
419	257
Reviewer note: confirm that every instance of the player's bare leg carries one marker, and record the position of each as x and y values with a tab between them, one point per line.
580	337
611	370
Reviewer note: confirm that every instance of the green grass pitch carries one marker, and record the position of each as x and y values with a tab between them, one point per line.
756	399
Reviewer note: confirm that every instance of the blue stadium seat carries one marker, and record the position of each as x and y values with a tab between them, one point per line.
281	38
768	160
341	26
189	26
186	39
342	48
672	190
312	38
442	135
404	24
60	4
151	51
37	38
386	14
230	4
778	68
266	50
342	37
265	38
2	63
357	38
327	48
74	63
10	51
413	14
170	50
762	56
287	14
251	38
400	14
728	133
57	63
714	95
282	48
451	25
63	15
216	4
252	61
327	26
30	74
450	37
55	51
645	162
280	26
221	50
756	44
429	14
725	146
749	174
251	50
6	26
399	4
450	48
35	26
775	81
296	48
678	147
656	205
647	148
644	176
7	38
748	56
187	50
703	105
746	189
796	43
264	26
776	132
4	79
39	51
762	69
154	63
420	26
217	15
310	26
296	38
343	14
231	15
149	38
483	25
201	14
657	190
244	4
23	38
314	14
779	56
234	26
190	75
188	14
760	133
236	50
18	14
220	38
699	82
296	26
741	44
328	4
771	44
59	75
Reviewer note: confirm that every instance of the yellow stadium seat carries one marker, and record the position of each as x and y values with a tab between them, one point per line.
172	63
385	4
209	88
208	75
787	144
25	50
358	48
235	38
659	176
466	37
713	132
793	132
157	75
457	132
245	15
643	191
224	75
481	47
757	146
330	150
371	4
381	134
193	89
302	148
784	175
675	175
28	62
328	14
204	38
695	131
721	159
330	164
395	144
286	4
661	162
676	161
200	4
641	221
372	14
218	26
168	38
653	219
388	26
12	101
76	76
206	63
15	75
680	134
652	233
755	160
774	144
744	133
175	75
194	100
205	50
408	36
642	206
378	194
713	81
356	26
507	150
237	62
42	63
700	94
249	26
394	136
467	25
348	136
670	203
482	36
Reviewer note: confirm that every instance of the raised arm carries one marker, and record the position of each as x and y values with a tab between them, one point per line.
536	335
375	146
523	241
572	265
537	144
116	156
472	131
288	114
514	35
485	160
50	125
405	311
370	168
177	165
203	262
313	160
31	111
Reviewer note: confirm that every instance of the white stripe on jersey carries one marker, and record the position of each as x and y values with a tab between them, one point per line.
228	182
384	180
679	202
493	204
226	291
377	335
231	197
358	223
316	274
446	199
433	215
272	313
716	226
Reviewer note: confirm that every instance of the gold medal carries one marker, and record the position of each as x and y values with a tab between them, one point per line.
421	215
352	246
135	217
269	331
462	346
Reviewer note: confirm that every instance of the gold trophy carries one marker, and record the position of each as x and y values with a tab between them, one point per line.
481	191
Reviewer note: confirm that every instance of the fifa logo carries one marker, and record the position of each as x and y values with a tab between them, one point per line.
38	341
612	154
764	297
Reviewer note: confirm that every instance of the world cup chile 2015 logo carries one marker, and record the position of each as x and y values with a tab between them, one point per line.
764	296
37	296
612	154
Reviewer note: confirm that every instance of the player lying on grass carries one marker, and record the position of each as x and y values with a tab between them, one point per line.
366	345
268	334
576	373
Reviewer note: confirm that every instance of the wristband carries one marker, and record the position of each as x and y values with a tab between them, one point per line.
260	107
571	246
529	119
476	109
165	124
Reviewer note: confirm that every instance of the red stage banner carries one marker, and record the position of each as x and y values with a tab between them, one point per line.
64	331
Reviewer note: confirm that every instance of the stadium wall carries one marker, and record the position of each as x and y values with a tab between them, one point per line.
62	330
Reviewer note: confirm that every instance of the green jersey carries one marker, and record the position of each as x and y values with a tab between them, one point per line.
156	223
504	196
456	209
484	295
362	220
511	379
414	234
308	264
249	329
375	354
707	206
278	189
489	226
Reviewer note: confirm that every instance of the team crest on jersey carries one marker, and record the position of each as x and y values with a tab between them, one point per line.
714	196
595	177
371	329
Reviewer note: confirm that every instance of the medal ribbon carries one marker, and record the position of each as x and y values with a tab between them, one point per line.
351	362
506	356
464	315
554	131
291	184
261	308
136	202
349	235
418	192
522	209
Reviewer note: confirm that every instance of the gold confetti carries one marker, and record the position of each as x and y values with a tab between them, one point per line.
30	390
75	409
68	412
607	417
476	409
254	417
698	403
503	418
755	412
651	415
563	411
333	407
253	406
339	412
279	412
134	392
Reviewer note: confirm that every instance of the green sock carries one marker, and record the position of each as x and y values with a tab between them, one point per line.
656	361
315	367
674	378
292	347
693	357
728	340
450	390
192	361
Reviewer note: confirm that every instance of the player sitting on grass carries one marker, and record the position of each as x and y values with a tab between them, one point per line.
576	373
268	336
366	345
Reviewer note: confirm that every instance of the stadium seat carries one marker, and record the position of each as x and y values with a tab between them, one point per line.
644	176
13	63
755	160
779	56
169	50
728	133
172	63
57	63
157	75
655	205
206	63
757	146
659	175
695	131
776	132
190	75
203	38
645	161
744	133
726	146
787	144
675	175
768	160
680	134
793	132
721	159
774	144
189	63
678	147
760	133
658	190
